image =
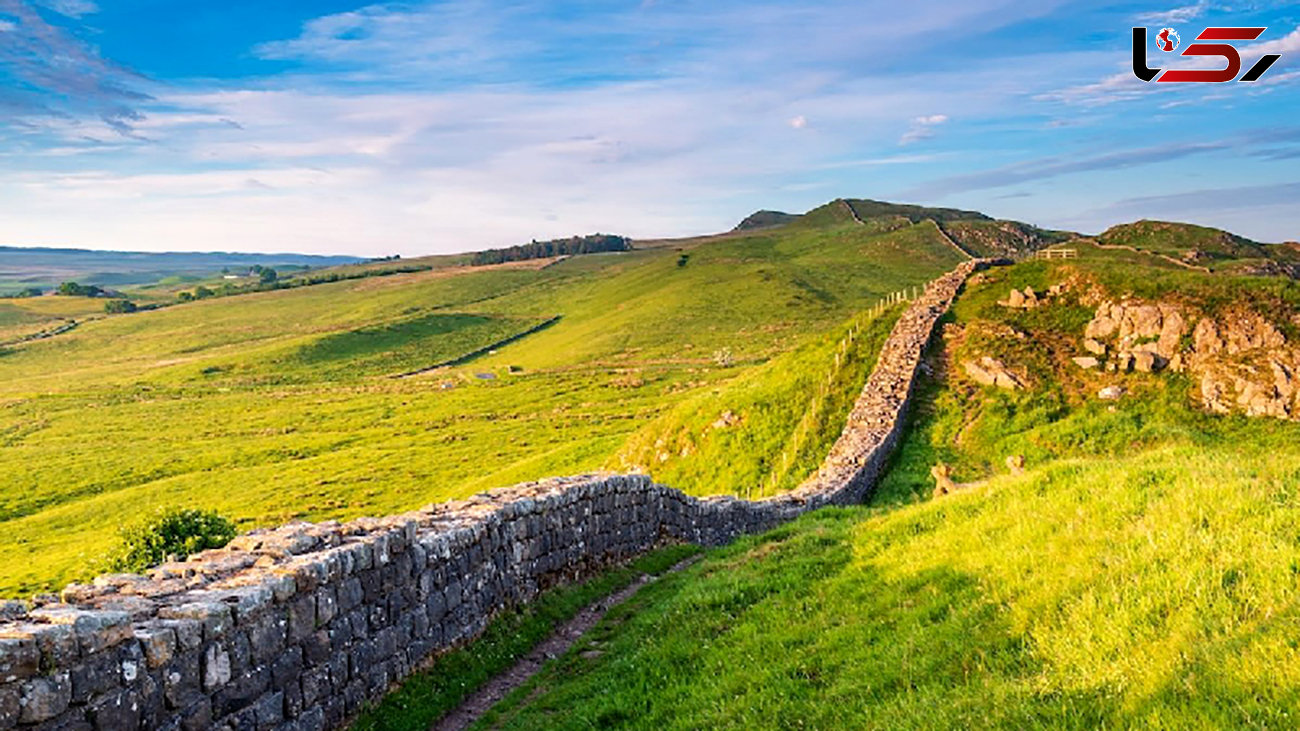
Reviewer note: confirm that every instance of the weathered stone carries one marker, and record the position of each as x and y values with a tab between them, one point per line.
19	658
216	667
117	710
1144	361
1086	361
44	698
992	372
159	644
10	707
95	630
1111	393
1016	464
214	616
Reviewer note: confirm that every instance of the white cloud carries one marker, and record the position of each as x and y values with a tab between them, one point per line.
7	26
922	128
799	122
1176	15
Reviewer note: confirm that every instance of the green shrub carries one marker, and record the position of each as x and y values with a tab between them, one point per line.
119	307
170	533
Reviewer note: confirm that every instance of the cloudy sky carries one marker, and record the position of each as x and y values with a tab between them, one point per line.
426	127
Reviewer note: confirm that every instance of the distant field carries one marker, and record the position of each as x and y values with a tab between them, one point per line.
279	405
46	268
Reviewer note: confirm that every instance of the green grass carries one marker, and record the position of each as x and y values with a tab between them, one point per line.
1156	590
278	405
737	438
1143	572
440	688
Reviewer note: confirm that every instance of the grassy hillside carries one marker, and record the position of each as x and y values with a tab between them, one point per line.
280	405
1206	248
1155	591
1141	572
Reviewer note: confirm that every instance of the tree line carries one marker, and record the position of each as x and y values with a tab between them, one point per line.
556	247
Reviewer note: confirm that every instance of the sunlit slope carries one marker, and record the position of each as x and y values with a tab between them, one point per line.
280	405
1142	571
756	295
1154	591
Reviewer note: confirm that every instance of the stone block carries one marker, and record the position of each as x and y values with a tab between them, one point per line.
41	699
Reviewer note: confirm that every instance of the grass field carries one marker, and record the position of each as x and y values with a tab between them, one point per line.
1155	591
1141	573
279	405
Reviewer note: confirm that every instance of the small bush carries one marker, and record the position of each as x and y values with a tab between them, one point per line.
171	533
119	307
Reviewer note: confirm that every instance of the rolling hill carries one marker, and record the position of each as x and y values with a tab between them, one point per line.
1112	540
282	404
1134	565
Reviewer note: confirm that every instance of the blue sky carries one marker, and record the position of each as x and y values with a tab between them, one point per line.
426	127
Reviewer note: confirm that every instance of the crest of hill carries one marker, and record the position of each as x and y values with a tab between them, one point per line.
1208	248
972	231
765	219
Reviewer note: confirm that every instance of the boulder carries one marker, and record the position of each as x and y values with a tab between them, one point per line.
1111	393
1086	362
1016	464
1103	325
1015	299
992	372
1145	361
943	483
1094	346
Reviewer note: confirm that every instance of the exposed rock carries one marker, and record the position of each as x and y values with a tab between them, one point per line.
992	372
1086	361
1096	347
1102	325
1025	299
943	484
1016	463
1111	393
1144	361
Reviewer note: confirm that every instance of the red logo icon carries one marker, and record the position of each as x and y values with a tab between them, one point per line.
1167	40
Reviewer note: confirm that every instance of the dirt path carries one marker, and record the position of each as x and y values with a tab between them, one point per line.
557	644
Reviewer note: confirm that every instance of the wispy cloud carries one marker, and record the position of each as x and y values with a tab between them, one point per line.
1057	166
922	127
1176	15
61	75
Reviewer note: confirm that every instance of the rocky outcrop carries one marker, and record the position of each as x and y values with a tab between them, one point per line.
1028	299
989	371
1240	362
296	628
1244	364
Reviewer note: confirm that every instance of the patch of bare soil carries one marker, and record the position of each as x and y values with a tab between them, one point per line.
557	644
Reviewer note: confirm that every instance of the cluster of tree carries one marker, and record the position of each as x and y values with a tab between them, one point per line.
119	307
73	289
557	247
265	275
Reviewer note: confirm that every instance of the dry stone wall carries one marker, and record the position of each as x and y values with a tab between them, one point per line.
297	627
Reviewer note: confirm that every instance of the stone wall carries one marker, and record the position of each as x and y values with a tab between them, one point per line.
297	627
